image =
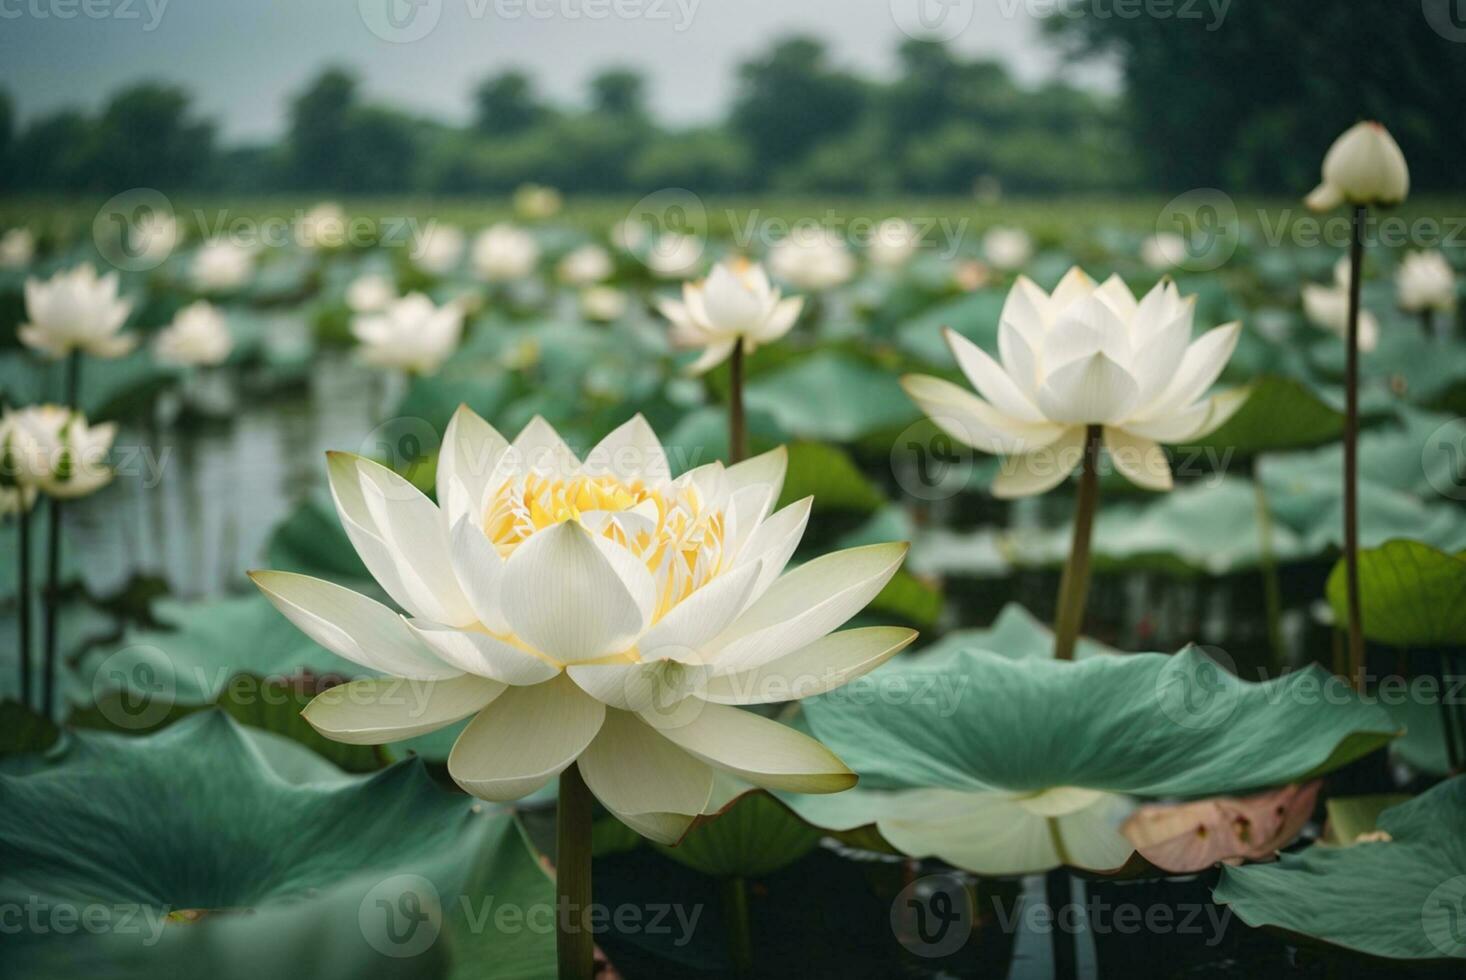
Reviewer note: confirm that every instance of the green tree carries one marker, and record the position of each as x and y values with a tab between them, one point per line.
619	92
320	118
145	138
507	105
790	101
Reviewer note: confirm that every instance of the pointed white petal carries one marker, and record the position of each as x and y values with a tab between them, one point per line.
634	770
483	655
389	709
1092	390
1139	460
630	452
824	665
972	421
764	752
990	380
1040	471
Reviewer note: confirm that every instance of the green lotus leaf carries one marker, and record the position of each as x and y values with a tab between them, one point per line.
1416	452
311	542
232	860
1279	413
1353	817
1410	595
754	835
831	477
1016	633
1399	897
975	316
832	396
1423	746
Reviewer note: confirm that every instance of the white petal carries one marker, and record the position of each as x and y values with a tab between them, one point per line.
470	451
633	770
764	752
693	622
1139	460
824	665
526	738
1074	287
1092	390
764	469
1200	367
711	357
351	625
1042	470
538	448
390	709
480	573
990	380
400	581
972	421
774	541
483	655
631	452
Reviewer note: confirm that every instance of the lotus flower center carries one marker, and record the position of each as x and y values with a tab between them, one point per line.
671	529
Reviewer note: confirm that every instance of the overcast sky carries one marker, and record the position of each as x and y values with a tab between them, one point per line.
242	59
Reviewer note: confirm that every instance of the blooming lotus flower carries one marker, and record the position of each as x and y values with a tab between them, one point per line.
370	293
1364	166
628	235
1007	249
1328	307
17	248
411	334
1163	251
1425	281
735	303
603	303
535	202
15	497
198	336
1089	354
153	238
812	260
675	255
323	226
585	266
438	249
503	253
54	451
76	310
893	243
599	612
221	266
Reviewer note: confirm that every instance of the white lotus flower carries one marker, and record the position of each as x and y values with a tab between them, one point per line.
893	243
503	253
54	451
17	248
628	235
1426	281
1089	354
14	495
735	303
1008	249
675	255
198	336
535	202
1328	307
371	293
585	266
323	226
603	303
812	259
411	334
599	612
438	249
1163	251
76	310
222	266
1364	166
153	238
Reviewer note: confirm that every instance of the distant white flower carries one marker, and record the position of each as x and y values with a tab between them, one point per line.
971	275
629	236
412	334
1364	166
438	249
1163	251
812	259
1089	354
1328	307
153	238
735	303
535	202
323	226
675	255
371	293
54	451
17	248
222	266
76	310
1425	281
14	496
197	337
1008	249
584	266
603	303
893	243
504	253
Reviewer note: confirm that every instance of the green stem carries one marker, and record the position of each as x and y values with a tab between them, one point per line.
735	912
1074	583
574	943
1351	453
1272	592
49	667
1427	323
737	429
23	529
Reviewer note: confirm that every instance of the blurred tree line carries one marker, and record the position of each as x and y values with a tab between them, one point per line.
1248	102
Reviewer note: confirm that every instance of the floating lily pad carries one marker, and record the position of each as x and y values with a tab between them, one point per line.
358	877
1279	413
1410	595
832	396
1398	897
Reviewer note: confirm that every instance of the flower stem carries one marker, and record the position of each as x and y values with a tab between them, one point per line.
1427	323
735	917
574	943
737	430
1074	583
53	559
23	529
1351	453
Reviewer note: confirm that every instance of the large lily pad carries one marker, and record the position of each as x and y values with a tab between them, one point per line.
1279	413
1410	595
230	864
832	396
1397	894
